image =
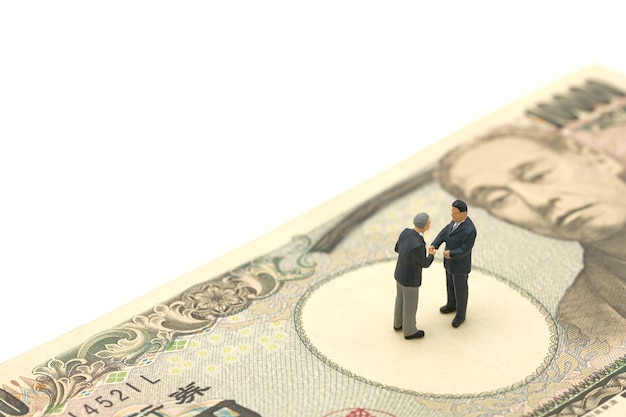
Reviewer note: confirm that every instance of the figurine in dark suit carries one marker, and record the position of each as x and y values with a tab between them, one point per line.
459	236
411	249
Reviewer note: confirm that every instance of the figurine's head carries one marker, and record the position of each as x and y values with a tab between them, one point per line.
459	210
541	182
421	221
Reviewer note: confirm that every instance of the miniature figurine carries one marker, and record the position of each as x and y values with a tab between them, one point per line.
459	236
411	249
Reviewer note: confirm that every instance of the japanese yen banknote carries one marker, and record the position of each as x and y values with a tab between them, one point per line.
299	322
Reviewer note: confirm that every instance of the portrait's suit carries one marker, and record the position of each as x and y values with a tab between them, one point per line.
412	257
459	242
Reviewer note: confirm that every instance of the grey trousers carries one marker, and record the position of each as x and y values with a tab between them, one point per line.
406	308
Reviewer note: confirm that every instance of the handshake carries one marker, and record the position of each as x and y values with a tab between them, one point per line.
433	251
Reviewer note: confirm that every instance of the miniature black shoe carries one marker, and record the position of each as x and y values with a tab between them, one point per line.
397	328
418	335
457	322
447	309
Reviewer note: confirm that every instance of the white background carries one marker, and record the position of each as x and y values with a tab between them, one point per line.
140	140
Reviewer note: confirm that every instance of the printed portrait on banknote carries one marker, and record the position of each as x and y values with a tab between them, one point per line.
301	324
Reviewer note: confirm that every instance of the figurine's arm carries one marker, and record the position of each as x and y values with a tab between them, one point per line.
418	257
466	245
439	239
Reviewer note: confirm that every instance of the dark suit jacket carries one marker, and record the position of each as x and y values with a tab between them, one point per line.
460	243
411	250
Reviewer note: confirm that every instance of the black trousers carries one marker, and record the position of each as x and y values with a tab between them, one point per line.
457	293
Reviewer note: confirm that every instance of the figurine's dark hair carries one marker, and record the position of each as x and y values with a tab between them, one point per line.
460	204
549	139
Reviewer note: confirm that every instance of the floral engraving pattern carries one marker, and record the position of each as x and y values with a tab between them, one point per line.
195	309
216	299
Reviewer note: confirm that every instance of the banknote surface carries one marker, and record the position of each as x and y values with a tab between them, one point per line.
300	321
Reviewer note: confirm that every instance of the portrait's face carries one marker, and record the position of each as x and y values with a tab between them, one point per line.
562	194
